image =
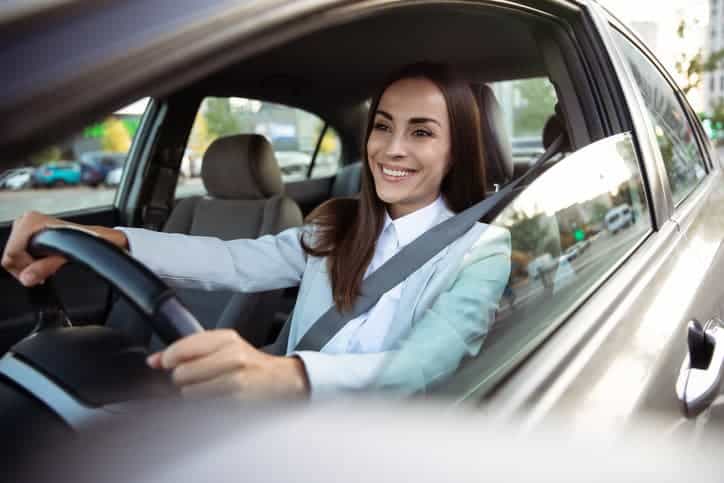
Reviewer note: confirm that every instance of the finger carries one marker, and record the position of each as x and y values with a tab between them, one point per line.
229	358
154	360
39	270
15	256
226	384
196	345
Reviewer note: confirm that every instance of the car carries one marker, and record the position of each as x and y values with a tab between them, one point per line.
541	265
618	218
17	178
113	178
95	166
570	254
57	174
190	165
631	334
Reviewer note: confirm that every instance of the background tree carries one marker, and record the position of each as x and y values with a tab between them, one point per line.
220	119
537	100
116	138
693	67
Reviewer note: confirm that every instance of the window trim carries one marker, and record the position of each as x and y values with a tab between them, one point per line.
650	161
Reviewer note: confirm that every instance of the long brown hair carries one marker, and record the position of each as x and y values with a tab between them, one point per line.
346	229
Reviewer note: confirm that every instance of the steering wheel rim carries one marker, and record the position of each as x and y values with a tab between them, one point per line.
151	296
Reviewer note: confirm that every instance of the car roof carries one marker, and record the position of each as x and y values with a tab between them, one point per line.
323	69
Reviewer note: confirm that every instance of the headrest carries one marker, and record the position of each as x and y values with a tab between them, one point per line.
556	126
241	167
498	150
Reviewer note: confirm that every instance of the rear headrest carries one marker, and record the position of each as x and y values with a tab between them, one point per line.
241	167
556	126
498	150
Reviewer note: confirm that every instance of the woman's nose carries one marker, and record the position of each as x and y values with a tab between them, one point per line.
396	147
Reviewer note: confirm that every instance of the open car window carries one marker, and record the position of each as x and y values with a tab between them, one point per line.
80	172
523	275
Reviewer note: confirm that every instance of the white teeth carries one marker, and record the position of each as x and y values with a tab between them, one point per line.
395	172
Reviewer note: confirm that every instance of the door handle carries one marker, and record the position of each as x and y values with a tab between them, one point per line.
701	371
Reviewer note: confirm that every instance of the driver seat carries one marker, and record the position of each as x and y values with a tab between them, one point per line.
245	200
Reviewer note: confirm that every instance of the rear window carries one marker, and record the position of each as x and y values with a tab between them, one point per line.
294	134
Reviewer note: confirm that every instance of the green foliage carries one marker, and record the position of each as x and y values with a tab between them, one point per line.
538	100
220	119
52	153
693	67
526	232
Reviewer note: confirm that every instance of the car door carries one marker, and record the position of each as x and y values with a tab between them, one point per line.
85	296
617	356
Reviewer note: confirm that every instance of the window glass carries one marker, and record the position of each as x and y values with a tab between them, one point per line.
83	171
293	134
674	135
567	229
526	104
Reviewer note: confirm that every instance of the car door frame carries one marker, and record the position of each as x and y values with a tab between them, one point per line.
550	378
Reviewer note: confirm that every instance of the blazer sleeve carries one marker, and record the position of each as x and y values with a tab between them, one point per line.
245	265
454	327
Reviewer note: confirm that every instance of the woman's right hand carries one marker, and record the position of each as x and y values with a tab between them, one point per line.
30	271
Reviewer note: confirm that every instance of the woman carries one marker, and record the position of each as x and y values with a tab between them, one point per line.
424	163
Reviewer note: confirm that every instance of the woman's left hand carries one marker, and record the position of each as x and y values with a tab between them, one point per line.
220	362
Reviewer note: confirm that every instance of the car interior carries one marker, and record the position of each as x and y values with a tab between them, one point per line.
331	73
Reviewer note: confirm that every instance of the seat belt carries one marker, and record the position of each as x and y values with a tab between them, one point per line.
156	211
404	263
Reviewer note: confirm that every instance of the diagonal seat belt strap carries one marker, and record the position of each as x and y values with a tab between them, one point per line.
407	261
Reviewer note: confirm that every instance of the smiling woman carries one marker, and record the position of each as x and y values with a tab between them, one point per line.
424	164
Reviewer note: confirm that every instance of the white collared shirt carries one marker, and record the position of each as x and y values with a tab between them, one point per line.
370	332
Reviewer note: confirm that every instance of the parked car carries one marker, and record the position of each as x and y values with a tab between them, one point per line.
57	174
570	254
16	179
190	165
541	265
95	166
600	348
113	178
618	218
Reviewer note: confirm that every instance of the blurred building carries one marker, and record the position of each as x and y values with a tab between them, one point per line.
714	81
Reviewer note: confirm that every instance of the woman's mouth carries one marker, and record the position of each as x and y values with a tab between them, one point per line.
396	174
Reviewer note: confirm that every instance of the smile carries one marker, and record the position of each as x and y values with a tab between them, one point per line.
396	172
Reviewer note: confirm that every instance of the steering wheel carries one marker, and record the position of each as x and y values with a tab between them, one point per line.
154	300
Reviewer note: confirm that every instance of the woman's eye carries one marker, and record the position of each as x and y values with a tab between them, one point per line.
421	132
378	126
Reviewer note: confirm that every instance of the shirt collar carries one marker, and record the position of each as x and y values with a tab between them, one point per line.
411	226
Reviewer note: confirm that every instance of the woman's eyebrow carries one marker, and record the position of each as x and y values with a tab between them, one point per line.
413	120
384	114
423	120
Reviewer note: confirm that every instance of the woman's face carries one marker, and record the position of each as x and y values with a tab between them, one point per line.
408	149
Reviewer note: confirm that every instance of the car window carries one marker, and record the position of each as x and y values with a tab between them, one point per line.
80	172
293	133
567	229
527	104
685	165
